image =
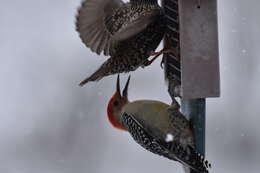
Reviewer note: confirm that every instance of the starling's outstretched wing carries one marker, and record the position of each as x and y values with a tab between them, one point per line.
90	24
132	19
172	150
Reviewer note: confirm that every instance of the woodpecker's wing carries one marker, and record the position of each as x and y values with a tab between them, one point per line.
182	126
91	27
130	20
172	150
153	115
159	119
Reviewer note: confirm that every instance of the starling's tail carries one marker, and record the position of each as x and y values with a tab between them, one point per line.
96	76
91	78
102	71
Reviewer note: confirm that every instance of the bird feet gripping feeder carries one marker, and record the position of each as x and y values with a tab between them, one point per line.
194	75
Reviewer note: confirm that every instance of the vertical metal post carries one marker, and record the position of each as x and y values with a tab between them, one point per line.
195	110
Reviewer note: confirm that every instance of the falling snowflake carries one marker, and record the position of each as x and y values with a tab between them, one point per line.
169	138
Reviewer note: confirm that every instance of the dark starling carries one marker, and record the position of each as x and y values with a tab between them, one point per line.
127	32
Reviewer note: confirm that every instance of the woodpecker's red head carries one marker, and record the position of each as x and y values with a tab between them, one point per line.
116	104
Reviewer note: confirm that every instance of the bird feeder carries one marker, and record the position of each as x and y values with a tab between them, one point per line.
192	30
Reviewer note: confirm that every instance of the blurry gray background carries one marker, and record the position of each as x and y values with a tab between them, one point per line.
50	125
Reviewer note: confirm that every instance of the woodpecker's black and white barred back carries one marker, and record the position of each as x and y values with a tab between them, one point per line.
172	150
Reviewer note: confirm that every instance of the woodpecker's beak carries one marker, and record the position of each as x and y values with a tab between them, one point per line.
125	91
118	85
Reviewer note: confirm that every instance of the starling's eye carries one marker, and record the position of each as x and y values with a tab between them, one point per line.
116	103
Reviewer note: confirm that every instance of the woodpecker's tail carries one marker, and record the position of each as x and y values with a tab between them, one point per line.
189	157
172	150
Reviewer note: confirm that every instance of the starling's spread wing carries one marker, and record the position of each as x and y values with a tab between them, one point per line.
128	21
172	150
90	24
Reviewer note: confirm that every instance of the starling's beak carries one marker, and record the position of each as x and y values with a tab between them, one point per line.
125	91
118	85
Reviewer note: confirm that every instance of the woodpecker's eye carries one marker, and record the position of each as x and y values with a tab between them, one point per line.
116	103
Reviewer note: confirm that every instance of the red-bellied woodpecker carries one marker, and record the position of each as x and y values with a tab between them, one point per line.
157	127
128	32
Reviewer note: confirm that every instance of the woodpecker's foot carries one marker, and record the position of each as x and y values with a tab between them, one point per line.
178	91
175	105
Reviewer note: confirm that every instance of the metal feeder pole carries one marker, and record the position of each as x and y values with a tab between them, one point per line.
195	110
192	31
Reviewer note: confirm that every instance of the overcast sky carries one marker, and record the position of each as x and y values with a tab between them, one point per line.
50	125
